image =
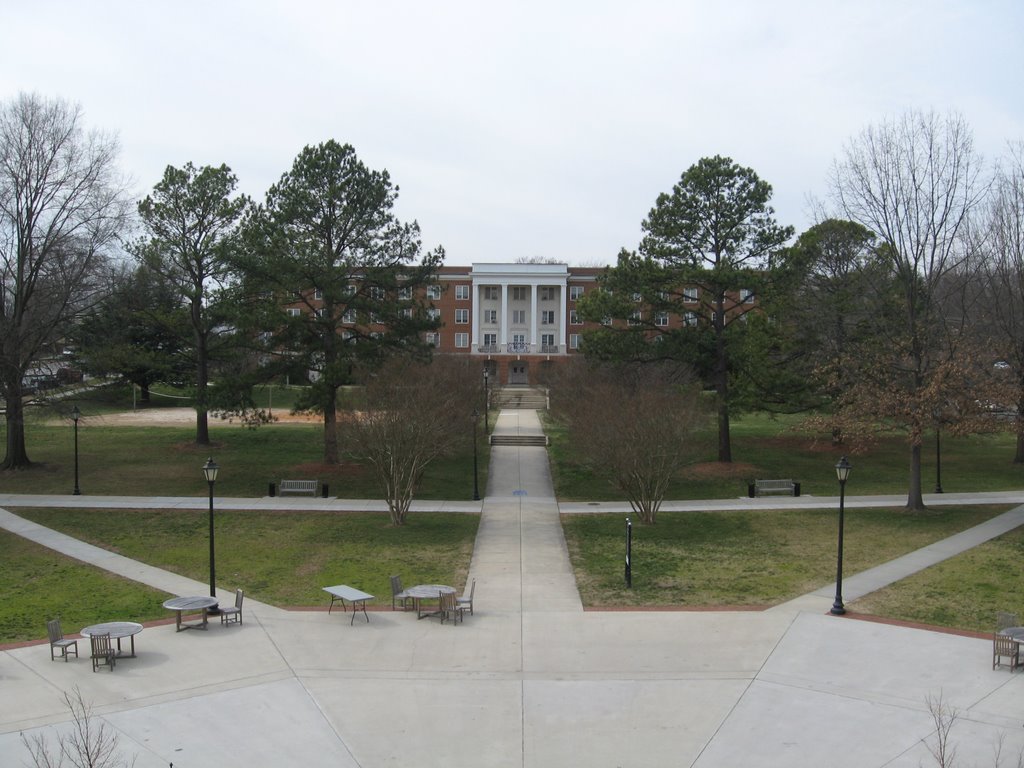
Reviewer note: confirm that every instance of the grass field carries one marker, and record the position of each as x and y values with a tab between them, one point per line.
277	557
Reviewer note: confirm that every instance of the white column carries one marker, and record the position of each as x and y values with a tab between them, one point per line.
474	308
534	289
502	320
563	317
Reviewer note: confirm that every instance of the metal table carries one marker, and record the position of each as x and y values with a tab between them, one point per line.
190	605
116	630
1017	633
355	596
427	592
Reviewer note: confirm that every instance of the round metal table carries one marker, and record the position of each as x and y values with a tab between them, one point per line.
116	630
427	592
182	605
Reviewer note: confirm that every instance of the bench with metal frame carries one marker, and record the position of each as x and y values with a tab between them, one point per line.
298	487
774	487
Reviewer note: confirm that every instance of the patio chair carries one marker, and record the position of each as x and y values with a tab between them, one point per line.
58	641
466	601
1005	647
398	594
1004	620
449	608
233	614
102	652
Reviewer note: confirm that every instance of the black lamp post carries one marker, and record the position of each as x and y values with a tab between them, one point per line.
210	472
842	472
476	486
487	398
76	414
938	460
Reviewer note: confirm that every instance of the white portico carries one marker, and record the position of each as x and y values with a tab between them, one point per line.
519	309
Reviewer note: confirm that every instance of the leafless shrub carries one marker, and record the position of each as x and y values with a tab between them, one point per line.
90	744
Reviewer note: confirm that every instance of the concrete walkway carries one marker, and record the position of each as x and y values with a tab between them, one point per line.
531	679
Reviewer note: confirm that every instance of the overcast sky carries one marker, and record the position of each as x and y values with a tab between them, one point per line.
519	129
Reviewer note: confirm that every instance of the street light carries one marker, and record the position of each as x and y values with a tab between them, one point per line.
842	472
210	472
476	486
76	414
487	397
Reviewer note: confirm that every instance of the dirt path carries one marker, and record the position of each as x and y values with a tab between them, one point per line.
178	417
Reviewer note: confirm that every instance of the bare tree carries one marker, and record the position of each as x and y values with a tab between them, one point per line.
636	426
1003	245
408	414
90	744
62	209
914	182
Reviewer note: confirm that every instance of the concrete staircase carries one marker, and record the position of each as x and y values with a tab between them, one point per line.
520	441
513	396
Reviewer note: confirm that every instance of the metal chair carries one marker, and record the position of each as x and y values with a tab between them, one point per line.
58	641
233	614
466	601
102	652
398	594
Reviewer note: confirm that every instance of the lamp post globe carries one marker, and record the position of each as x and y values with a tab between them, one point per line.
842	474
210	473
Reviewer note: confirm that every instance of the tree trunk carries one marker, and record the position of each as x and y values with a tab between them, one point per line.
17	456
1018	424
202	377
915	499
331	428
722	385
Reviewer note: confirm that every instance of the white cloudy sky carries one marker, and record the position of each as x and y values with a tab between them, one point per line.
519	129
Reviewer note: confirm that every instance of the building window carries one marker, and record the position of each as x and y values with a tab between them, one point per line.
518	343
462	292
433	292
690	295
518	317
405	292
349	316
575	291
747	297
635	318
432	338
661	319
461	340
294	311
638	297
491	292
350	289
519	293
547	317
690	318
491	342
461	316
574	341
548	293
321	312
574	318
434	313
318	294
547	342
491	316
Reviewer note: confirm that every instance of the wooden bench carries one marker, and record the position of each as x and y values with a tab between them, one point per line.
773	487
297	487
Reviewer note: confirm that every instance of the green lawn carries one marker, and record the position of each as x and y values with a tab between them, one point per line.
752	558
765	447
276	557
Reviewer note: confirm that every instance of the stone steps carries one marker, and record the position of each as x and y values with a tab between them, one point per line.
521	441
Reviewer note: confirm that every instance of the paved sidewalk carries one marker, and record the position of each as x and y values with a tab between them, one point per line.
531	680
